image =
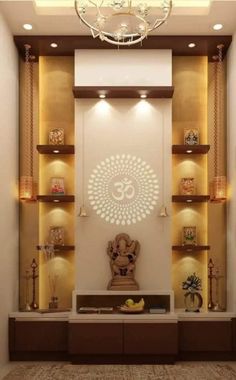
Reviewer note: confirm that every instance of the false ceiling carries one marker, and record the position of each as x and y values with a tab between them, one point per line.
58	19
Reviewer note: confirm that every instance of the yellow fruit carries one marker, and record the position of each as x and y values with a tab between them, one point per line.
129	302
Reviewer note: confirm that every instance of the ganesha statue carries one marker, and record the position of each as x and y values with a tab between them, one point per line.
123	253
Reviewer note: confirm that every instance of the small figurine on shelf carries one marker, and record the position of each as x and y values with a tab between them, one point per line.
190	235
56	235
192	299
187	186
191	136
57	186
56	136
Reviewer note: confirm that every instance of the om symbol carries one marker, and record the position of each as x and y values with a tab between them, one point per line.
123	190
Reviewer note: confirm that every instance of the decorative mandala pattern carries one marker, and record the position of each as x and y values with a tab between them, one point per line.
123	189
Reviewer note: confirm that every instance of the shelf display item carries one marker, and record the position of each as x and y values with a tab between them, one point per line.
187	186
123	253
57	186
56	136
189	235
57	235
191	136
192	298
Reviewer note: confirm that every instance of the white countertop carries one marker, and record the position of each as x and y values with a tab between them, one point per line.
72	317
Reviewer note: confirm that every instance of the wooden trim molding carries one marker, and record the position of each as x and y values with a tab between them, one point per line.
205	45
123	92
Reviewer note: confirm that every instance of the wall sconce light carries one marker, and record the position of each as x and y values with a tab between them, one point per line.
27	180
219	183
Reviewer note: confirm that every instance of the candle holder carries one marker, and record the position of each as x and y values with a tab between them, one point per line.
34	276
27	303
217	306
210	277
214	274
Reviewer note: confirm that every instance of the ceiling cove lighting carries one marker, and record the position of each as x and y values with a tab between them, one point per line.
217	27
27	26
122	22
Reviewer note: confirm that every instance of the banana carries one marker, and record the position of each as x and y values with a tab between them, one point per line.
137	305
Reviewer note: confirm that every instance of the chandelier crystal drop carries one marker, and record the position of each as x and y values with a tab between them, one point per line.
122	22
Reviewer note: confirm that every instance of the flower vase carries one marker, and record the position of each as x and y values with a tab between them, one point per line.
193	301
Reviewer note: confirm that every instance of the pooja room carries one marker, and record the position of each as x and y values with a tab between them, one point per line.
118	181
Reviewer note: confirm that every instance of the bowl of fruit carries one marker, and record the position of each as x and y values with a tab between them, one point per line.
131	307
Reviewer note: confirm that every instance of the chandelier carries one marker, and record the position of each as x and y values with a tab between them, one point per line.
122	22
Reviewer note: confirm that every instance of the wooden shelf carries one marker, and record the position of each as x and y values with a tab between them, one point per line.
190	248
56	149
190	198
190	149
58	248
56	198
123	92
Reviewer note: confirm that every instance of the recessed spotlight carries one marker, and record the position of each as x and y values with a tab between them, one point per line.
189	200
56	200
191	45
217	26
27	26
189	151
56	151
54	45
102	96
143	96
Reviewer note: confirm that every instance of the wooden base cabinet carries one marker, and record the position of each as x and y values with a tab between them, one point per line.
150	338
123	342
38	340
95	338
203	340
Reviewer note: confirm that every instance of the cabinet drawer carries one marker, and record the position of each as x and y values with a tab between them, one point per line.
40	336
95	338
150	338
205	336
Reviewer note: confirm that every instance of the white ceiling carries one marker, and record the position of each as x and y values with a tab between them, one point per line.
19	12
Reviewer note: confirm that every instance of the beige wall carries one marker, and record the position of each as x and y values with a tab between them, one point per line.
116	127
9	183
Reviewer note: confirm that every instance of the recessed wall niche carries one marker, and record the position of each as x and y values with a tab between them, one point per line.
56	111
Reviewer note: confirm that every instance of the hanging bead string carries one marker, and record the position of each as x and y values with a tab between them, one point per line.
26	134
220	99
31	108
215	119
